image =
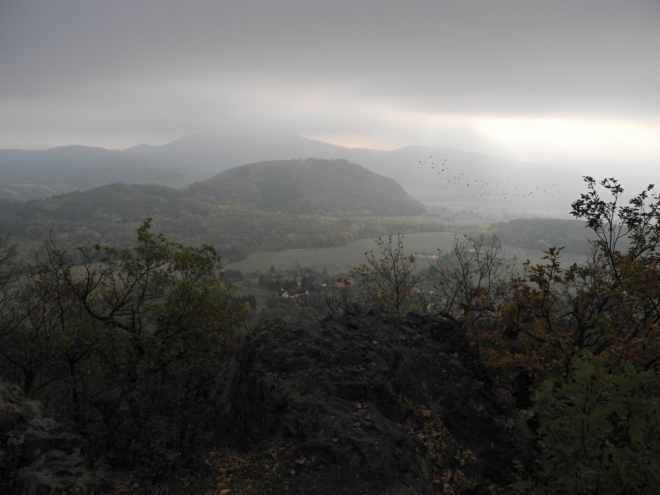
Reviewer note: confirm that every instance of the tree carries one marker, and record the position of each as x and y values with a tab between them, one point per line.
637	222
528	325
11	313
473	284
577	346
129	345
609	305
389	281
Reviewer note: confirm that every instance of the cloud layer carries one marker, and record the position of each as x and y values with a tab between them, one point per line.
528	79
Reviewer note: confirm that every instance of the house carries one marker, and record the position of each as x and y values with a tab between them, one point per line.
293	294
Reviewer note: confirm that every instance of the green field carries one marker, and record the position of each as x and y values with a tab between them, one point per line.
393	218
340	259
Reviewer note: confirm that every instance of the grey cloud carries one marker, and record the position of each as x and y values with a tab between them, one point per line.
597	57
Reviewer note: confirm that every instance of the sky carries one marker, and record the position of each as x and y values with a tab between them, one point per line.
533	80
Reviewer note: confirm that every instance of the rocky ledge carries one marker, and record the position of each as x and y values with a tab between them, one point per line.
364	404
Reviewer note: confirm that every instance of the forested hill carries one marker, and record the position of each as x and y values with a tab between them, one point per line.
309	186
229	221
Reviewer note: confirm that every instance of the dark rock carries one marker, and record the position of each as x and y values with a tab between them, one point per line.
37	455
390	401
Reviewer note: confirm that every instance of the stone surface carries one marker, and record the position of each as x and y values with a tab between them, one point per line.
37	455
388	402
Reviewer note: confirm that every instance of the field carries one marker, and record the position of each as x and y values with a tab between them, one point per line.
339	259
342	259
393	218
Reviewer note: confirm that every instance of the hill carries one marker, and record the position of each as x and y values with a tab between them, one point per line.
309	186
498	188
206	214
31	174
502	187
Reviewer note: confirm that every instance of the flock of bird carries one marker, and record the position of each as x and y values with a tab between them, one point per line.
493	188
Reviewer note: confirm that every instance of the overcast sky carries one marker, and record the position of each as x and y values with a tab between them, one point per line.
520	79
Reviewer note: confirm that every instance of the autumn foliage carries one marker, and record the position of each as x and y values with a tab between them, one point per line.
540	330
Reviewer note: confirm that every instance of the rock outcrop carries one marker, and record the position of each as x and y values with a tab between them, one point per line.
364	404
37	455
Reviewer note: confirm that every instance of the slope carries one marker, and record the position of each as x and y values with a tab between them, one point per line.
309	186
220	214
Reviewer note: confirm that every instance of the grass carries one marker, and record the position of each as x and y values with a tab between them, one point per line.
392	218
342	259
339	259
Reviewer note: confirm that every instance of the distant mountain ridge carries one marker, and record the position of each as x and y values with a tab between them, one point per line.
451	178
239	146
31	174
310	186
505	186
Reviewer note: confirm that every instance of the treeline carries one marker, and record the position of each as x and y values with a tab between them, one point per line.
542	233
111	214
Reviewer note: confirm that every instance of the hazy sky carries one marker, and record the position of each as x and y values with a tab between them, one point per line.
521	79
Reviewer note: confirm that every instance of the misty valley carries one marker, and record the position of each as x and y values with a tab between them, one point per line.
211	317
338	247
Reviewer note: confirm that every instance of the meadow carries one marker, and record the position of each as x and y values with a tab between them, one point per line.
341	259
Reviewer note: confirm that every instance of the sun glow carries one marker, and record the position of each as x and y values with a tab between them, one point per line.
574	138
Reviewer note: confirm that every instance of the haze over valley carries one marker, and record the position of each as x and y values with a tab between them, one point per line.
495	187
478	126
329	247
278	134
276	150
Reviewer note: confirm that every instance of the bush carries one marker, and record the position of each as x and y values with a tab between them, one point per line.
598	432
389	281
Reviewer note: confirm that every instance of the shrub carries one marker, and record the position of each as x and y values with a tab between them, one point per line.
598	432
